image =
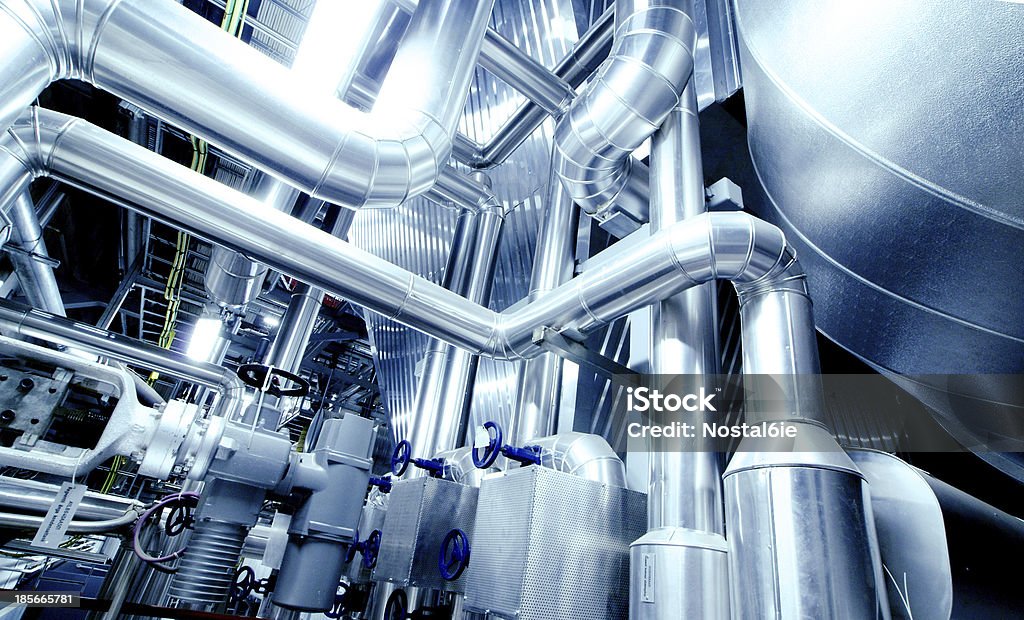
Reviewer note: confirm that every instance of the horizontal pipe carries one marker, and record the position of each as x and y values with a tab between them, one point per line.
31	496
166	59
732	246
32	522
34	323
634	90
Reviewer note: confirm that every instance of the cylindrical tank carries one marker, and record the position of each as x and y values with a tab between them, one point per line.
887	139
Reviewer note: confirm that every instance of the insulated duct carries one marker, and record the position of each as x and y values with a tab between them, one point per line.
312	141
685	542
634	90
539	390
445	388
730	246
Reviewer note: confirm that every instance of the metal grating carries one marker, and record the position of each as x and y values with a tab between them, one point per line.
570	536
420	514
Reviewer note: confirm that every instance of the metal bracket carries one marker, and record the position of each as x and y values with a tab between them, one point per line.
554	342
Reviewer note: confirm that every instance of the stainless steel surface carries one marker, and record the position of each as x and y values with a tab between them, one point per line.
51	328
911	537
552	545
295	329
325	147
911	242
539	390
632	93
582	454
685	512
38	282
802	544
445	389
33	496
232	280
420	514
678	573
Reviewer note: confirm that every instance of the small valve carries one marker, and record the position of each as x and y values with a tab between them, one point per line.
454	556
401	458
382	483
369	548
485	456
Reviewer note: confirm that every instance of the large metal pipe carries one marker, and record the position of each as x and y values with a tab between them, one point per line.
232	279
539	389
32	496
38	282
170	61
786	505
634	90
730	246
444	391
686	525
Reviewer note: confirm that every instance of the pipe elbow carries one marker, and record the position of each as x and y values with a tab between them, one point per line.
378	167
582	454
635	89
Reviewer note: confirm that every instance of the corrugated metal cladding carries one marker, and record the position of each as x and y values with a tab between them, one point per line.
418	234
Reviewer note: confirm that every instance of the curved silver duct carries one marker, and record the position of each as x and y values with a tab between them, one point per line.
730	246
584	455
634	90
311	140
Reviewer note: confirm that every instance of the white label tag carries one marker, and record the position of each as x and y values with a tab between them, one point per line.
58	518
647	582
481	437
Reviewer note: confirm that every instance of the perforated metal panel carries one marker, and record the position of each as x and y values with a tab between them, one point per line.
551	545
420	514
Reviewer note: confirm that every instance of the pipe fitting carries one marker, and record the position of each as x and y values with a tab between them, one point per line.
634	90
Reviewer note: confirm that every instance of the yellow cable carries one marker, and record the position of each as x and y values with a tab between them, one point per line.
234	18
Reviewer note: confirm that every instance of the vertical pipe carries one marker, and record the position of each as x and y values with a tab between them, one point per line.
685	488
540	379
684	552
38	282
445	387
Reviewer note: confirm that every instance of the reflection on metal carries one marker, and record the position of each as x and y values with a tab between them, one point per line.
911	537
893	228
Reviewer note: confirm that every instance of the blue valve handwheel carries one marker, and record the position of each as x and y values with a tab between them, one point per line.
485	458
355	547
454	556
401	457
397	607
371	546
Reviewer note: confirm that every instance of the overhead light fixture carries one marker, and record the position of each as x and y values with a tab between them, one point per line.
204	338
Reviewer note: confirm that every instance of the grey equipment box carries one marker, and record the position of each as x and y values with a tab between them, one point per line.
420	513
548	544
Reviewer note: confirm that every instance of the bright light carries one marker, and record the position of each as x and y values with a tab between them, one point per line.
204	339
271	321
334	35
